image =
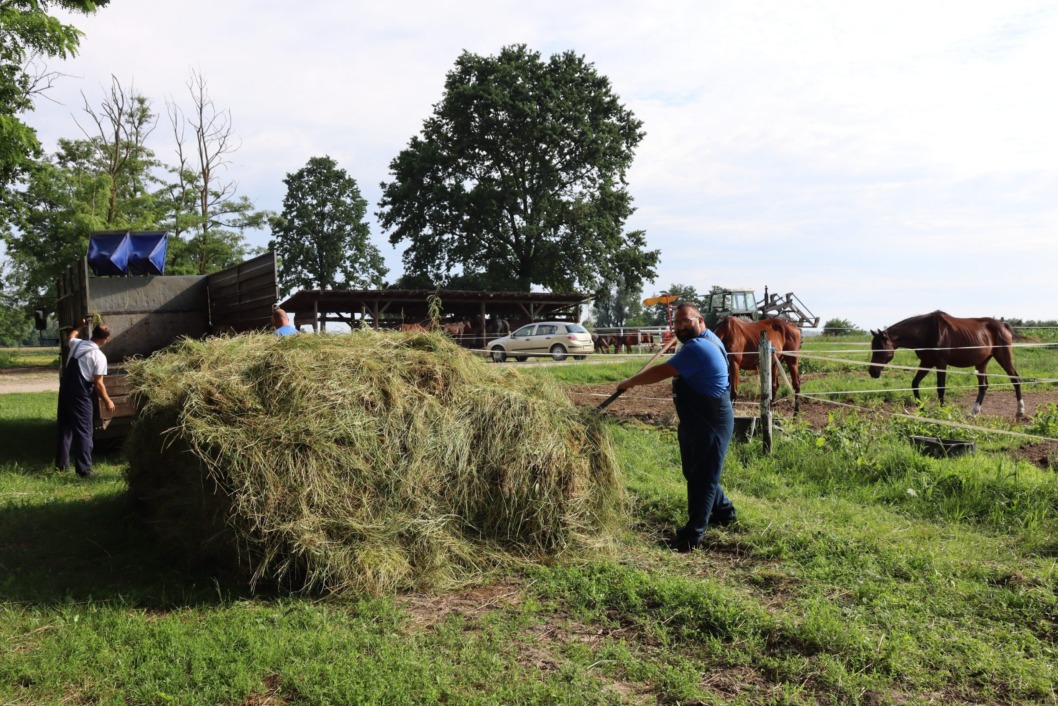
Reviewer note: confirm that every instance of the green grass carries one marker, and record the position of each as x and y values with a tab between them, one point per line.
29	358
861	573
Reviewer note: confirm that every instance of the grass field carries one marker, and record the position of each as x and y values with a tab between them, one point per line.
29	357
861	573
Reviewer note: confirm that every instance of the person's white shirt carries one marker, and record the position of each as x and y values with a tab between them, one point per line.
91	362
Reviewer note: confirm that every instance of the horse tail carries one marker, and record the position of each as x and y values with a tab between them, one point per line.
1014	334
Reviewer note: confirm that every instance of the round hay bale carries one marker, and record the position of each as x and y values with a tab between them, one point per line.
375	461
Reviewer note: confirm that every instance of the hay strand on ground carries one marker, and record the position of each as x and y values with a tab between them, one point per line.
375	461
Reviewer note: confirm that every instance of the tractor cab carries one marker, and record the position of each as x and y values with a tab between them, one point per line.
721	303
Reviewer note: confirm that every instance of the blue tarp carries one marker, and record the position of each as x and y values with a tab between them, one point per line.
147	252
127	252
108	253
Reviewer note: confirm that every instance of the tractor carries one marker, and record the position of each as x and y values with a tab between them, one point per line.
743	303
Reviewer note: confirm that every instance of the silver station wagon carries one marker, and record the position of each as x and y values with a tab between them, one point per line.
554	338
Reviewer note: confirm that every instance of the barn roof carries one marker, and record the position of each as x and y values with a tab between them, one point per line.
412	304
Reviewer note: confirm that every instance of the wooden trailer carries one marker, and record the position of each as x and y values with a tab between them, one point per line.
147	313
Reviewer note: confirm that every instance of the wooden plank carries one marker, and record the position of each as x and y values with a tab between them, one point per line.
241	298
117	385
258	286
257	295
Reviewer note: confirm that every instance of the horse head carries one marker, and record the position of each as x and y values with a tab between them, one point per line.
882	351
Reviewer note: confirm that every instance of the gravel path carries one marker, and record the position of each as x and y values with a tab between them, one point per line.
28	380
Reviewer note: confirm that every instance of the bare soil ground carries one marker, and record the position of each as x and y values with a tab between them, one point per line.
652	404
29	380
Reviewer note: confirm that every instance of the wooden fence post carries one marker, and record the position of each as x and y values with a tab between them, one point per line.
764	363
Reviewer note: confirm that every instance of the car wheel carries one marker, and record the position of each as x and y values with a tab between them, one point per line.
498	355
521	358
558	352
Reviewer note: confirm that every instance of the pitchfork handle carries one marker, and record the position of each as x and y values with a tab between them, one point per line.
614	396
608	400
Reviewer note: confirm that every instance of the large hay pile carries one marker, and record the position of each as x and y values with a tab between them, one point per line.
373	461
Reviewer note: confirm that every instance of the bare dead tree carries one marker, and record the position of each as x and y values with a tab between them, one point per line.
122	122
202	158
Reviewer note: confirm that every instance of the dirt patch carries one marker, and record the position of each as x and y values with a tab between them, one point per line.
427	610
29	380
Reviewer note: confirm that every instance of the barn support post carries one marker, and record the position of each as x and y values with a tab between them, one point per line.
765	353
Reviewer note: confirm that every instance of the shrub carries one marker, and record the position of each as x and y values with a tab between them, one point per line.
841	327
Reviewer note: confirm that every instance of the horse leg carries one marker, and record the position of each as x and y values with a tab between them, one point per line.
795	380
1005	358
942	377
732	373
790	362
982	388
774	380
918	378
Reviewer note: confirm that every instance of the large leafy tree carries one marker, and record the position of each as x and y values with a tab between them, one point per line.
117	132
101	182
64	200
617	305
321	238
28	35
518	179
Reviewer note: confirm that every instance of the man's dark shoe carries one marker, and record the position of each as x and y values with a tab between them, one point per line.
88	474
684	546
724	521
681	541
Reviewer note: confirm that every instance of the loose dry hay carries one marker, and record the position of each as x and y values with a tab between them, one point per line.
376	462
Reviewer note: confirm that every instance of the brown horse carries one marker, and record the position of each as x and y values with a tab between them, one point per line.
633	340
603	342
741	338
941	340
456	329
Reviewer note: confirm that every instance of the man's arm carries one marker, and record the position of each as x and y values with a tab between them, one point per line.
101	389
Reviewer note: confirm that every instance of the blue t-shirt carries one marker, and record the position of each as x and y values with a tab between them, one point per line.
702	363
286	330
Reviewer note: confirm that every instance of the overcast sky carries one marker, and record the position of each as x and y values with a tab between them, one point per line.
880	160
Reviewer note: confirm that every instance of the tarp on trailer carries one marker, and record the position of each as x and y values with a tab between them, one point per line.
108	253
147	252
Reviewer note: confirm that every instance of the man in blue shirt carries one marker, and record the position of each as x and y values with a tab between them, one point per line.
707	420
282	323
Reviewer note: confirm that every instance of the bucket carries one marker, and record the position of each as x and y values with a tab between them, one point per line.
745	427
943	448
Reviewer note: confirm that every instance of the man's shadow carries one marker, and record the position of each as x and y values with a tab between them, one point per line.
96	548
